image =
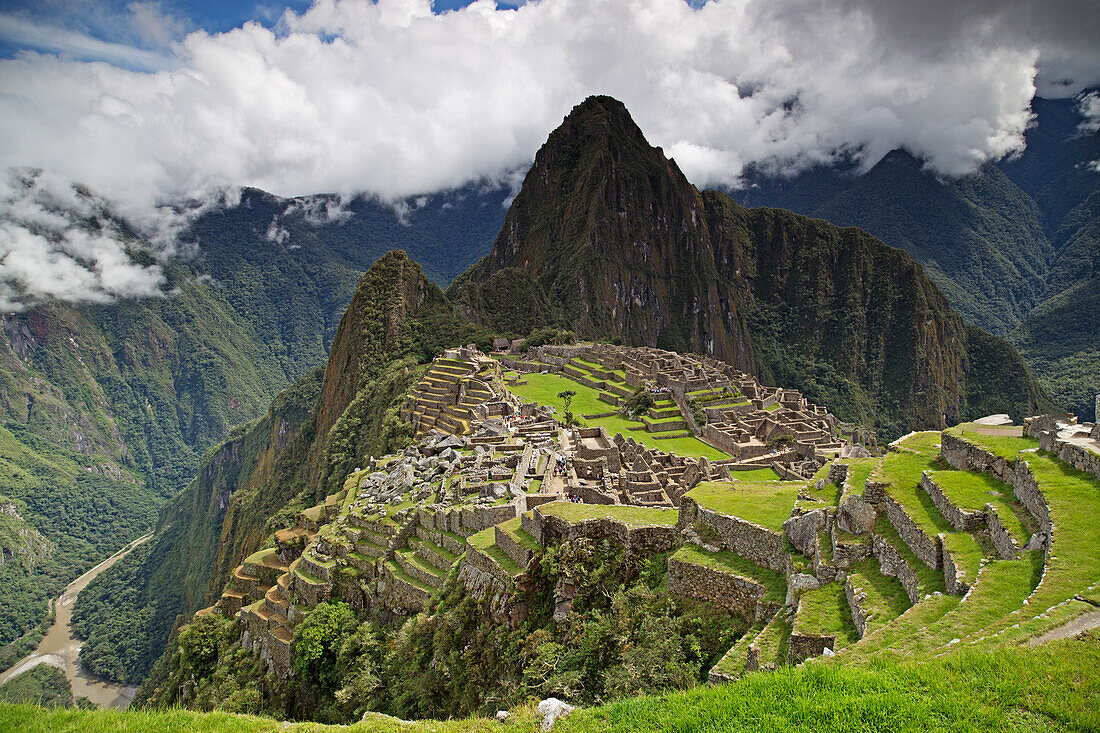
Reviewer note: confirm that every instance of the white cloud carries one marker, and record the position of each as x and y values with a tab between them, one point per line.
387	98
57	242
1089	107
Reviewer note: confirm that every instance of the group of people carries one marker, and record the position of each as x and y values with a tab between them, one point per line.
658	389
574	499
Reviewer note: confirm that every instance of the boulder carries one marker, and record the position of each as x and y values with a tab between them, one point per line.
797	584
802	531
552	709
855	515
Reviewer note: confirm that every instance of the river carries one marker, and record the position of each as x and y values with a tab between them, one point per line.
60	648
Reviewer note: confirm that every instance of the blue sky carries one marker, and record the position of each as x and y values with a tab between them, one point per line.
56	26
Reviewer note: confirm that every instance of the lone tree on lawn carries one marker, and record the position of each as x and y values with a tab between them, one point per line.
567	397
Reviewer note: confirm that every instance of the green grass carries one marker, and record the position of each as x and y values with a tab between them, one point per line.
926	442
733	662
824	611
1004	446
513	529
971	491
1001	587
1073	564
727	562
773	640
768	504
544	389
485	541
1010	690
631	516
886	599
858	471
757	474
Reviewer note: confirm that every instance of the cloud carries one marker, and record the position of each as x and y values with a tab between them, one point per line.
59	242
393	100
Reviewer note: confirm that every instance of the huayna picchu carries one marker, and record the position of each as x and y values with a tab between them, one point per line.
653	441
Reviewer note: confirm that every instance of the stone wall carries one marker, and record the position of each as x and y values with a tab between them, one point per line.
924	547
891	563
874	491
763	546
511	548
1075	455
838	473
855	603
804	646
734	593
553	529
962	454
961	519
1003	542
1026	489
478	518
954	578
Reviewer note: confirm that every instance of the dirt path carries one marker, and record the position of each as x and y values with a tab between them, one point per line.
61	649
1081	624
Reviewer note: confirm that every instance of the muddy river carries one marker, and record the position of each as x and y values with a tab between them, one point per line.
61	649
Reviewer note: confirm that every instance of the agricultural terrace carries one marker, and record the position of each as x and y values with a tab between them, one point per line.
767	503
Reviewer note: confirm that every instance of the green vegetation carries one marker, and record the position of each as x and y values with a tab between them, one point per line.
971	491
885	599
998	441
631	516
544	388
825	611
43	685
767	503
67	518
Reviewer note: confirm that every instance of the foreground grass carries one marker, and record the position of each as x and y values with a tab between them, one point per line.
1050	688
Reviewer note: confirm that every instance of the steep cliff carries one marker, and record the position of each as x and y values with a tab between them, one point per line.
614	242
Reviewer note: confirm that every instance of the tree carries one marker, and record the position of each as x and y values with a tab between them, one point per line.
567	396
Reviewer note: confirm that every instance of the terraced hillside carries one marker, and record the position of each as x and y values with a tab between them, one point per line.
973	539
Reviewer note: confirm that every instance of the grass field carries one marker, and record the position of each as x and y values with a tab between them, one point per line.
825	611
767	503
544	389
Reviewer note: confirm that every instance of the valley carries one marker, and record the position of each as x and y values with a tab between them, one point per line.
60	648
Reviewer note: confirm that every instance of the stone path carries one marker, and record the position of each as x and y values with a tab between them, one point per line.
1079	625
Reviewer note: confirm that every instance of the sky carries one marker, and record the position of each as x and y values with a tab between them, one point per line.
149	102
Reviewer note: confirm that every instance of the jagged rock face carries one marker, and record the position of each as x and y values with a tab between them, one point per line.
615	240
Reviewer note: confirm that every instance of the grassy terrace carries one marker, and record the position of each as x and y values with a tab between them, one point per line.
1001	587
757	474
971	491
772	641
631	516
1003	442
930	580
544	389
733	662
726	562
1074	563
767	503
926	442
902	471
825	611
1018	689
858	471
513	529
485	541
886	599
